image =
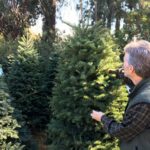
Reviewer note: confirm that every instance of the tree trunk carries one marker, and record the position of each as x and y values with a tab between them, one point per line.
49	12
81	11
110	13
117	27
99	10
96	13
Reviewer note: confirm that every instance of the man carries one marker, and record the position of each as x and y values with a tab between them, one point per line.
134	130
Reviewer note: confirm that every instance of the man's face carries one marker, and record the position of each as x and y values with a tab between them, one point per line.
126	66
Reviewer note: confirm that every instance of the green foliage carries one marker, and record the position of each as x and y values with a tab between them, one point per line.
9	138
138	21
24	133
136	24
30	79
7	50
83	84
15	16
9	146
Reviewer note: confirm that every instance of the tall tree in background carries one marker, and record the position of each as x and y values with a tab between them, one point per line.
110	12
136	23
17	15
104	10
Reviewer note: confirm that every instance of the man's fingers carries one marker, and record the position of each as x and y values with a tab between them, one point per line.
94	111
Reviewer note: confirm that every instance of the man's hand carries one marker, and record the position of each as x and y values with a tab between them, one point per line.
97	115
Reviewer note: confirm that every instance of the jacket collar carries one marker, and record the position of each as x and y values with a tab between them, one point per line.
139	86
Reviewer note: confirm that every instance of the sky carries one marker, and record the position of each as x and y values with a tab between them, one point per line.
68	14
1	71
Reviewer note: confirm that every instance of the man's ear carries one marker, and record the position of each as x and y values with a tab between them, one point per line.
132	69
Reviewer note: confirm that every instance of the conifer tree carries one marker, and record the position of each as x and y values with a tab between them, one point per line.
30	80
9	138
83	83
26	80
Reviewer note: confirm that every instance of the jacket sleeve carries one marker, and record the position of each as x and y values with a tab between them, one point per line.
135	121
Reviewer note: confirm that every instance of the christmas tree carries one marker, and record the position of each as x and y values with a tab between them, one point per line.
26	81
30	80
83	83
9	138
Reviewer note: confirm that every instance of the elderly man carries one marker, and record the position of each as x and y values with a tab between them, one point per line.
134	130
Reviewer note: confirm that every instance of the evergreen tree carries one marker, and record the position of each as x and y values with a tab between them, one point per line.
26	80
30	79
9	138
136	23
83	83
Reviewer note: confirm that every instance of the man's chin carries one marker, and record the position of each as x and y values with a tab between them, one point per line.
125	75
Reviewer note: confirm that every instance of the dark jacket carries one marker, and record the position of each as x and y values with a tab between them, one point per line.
140	94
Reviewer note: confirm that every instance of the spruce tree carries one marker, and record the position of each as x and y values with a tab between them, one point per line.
83	83
30	80
22	78
9	138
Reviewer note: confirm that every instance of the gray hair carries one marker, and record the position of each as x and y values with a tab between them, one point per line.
139	57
